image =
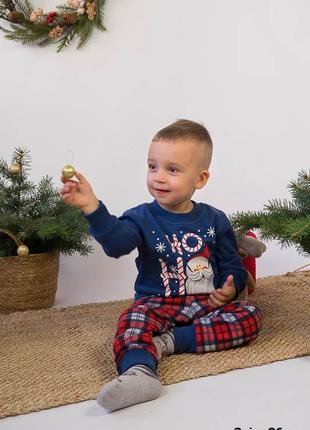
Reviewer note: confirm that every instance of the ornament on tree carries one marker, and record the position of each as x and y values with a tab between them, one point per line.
15	168
35	215
23	251
68	171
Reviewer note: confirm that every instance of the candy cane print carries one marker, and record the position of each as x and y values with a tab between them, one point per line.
175	245
165	276
181	276
186	247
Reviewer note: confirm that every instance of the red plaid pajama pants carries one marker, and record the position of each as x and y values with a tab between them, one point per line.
210	329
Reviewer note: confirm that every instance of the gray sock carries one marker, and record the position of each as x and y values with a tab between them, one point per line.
138	384
165	344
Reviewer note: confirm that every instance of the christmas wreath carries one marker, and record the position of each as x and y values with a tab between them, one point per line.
34	26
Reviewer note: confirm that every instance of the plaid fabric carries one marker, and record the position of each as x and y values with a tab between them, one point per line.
215	329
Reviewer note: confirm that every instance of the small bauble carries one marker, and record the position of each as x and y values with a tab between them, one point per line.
68	171
23	250
15	168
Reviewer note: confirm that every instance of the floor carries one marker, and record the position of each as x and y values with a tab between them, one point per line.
275	396
270	397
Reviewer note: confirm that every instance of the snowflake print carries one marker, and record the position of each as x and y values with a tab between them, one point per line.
211	231
173	269
160	247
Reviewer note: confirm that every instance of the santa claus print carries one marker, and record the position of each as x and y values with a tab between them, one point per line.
199	274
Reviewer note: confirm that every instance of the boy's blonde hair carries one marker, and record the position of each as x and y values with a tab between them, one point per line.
184	129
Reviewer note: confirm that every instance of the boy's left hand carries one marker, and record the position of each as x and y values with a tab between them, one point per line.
221	296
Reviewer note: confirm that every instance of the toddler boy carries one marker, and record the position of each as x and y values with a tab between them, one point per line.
189	272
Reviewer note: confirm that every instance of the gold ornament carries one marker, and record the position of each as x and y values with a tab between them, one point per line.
23	250
15	168
68	171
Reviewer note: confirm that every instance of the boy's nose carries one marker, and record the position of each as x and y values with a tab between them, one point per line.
160	176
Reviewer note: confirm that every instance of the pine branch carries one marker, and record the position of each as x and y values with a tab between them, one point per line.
98	21
300	191
84	32
30	35
66	40
288	222
37	213
24	6
66	9
282	207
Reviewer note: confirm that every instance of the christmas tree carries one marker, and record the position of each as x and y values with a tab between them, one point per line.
36	214
287	221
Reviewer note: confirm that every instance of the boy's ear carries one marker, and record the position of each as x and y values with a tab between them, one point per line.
202	179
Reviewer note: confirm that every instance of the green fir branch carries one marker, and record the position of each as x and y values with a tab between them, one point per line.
5	30
300	191
66	39
67	9
282	207
84	32
44	42
27	35
38	215
24	6
286	221
98	21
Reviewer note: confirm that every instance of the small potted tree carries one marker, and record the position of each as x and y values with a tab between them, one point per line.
35	227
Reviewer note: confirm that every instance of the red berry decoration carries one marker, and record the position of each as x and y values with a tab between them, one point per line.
50	17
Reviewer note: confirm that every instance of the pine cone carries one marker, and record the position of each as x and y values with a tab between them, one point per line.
90	10
56	32
15	16
70	18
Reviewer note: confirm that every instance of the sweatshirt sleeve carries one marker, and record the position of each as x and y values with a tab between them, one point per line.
228	259
117	236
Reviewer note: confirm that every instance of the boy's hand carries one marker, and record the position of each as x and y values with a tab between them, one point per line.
79	193
223	295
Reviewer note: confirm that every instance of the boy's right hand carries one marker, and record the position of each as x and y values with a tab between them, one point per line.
79	193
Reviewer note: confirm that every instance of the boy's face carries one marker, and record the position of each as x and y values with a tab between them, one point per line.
175	172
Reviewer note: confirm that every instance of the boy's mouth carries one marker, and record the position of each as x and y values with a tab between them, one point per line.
159	191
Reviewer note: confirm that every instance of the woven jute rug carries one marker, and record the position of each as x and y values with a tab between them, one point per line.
55	357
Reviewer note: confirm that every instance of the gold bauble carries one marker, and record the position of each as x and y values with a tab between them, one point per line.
68	171
15	168
23	250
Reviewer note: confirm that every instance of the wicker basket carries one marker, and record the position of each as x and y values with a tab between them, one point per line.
28	282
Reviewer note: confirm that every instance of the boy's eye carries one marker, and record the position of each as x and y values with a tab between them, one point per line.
173	169
152	166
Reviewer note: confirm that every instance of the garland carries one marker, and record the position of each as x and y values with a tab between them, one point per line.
33	26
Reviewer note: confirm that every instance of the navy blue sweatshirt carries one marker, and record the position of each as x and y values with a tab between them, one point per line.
178	253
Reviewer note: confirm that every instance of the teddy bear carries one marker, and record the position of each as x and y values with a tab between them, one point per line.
249	248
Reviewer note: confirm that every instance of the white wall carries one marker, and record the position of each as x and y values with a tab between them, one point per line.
241	67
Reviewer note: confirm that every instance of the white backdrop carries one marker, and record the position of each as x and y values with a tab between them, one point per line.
241	67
